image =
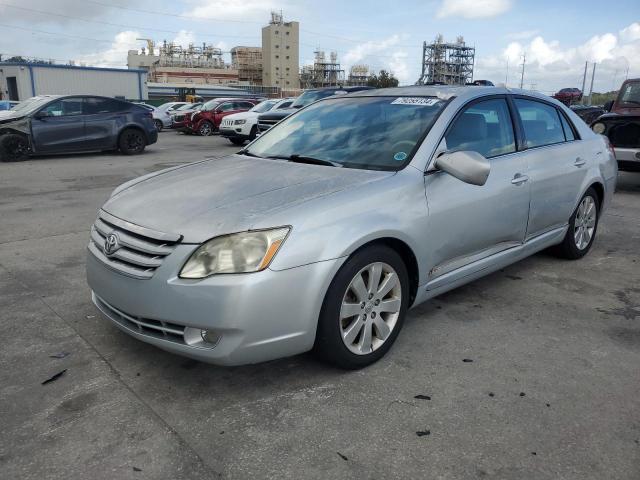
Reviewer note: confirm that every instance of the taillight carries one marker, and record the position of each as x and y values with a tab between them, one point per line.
148	114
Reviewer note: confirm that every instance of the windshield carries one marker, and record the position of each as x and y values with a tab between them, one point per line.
311	96
31	104
188	106
375	133
210	105
264	106
630	94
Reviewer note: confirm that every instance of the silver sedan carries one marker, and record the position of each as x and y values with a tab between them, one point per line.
324	231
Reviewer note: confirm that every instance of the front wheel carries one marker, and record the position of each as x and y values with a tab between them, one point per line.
159	125
237	141
364	308
205	129
13	147
582	228
132	142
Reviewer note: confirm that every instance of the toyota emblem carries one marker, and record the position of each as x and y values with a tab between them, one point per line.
111	244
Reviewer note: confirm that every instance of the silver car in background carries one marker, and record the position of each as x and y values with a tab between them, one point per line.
326	229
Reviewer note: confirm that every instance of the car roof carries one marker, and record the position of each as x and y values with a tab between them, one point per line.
446	92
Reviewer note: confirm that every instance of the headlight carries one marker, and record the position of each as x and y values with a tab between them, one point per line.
599	127
240	122
236	253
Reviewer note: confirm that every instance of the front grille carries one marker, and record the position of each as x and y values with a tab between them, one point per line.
136	254
146	326
226	123
179	118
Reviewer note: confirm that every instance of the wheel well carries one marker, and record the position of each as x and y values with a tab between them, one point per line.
597	186
408	257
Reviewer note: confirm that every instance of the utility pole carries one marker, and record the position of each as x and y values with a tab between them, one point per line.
584	80
506	77
524	61
593	76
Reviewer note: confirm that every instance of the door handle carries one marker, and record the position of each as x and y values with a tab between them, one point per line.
579	162
519	179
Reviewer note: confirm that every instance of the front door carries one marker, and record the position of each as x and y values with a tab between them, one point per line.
469	223
59	127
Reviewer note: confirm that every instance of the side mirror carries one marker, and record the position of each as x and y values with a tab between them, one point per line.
470	167
608	106
41	115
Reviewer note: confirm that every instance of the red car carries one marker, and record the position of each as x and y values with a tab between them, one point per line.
568	95
207	120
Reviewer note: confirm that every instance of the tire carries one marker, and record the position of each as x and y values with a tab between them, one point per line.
583	225
159	125
253	133
14	147
205	129
342	338
132	141
237	141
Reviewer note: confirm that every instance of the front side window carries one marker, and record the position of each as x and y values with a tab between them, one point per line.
484	127
540	122
375	133
226	107
630	94
64	108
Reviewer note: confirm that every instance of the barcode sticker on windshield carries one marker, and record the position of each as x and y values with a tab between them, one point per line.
415	101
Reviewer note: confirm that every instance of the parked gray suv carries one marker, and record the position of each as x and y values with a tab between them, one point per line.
329	226
51	124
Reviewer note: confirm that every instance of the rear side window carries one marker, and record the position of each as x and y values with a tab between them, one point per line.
568	131
484	127
227	107
541	123
102	105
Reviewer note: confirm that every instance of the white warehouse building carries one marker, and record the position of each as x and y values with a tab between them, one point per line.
19	81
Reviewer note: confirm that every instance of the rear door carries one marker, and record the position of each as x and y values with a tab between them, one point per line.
103	118
226	108
557	164
469	223
60	126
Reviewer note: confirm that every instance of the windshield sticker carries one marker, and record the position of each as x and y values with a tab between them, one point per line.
415	101
400	156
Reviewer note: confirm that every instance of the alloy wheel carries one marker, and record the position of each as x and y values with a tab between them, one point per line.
134	141
205	129
585	222
16	148
370	308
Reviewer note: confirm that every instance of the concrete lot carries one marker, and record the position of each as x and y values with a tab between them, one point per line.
553	391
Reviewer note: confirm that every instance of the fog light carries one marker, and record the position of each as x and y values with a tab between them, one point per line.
210	336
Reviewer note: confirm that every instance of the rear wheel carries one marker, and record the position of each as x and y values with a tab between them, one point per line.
13	147
582	228
132	142
364	309
205	129
254	132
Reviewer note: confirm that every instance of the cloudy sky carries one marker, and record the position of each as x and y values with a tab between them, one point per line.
556	37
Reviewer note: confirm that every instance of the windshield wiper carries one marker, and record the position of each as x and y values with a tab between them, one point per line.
248	153
304	159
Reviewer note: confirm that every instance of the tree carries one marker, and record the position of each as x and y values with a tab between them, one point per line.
384	79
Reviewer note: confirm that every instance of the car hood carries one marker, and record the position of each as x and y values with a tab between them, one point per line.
9	116
241	116
229	194
278	114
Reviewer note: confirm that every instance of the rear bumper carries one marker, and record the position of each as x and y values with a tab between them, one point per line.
260	316
628	158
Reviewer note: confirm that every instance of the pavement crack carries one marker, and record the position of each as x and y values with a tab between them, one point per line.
116	374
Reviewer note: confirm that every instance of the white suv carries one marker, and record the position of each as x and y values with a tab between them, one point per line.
243	126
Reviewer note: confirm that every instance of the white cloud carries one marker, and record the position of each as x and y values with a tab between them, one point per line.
64	7
184	38
116	54
473	8
631	33
383	54
246	10
551	66
524	35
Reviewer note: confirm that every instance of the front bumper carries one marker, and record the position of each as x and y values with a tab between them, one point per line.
233	133
628	158
260	316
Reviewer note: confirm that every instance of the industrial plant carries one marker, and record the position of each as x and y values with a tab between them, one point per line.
447	63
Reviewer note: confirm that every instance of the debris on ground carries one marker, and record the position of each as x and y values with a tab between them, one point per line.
423	433
344	457
467	360
423	397
54	378
60	355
